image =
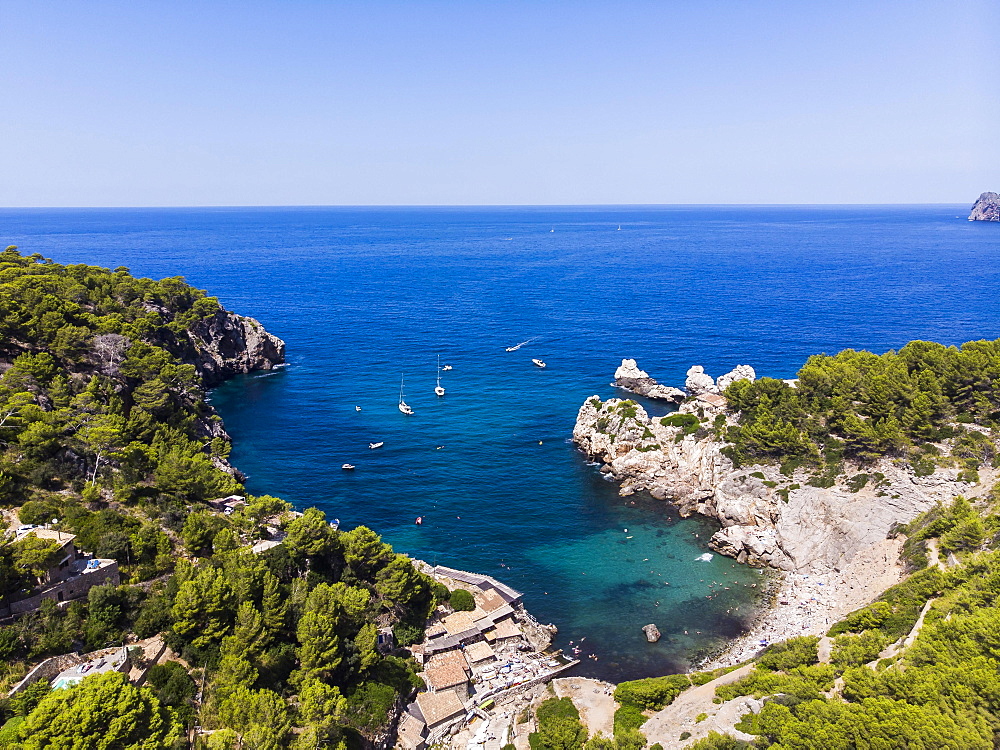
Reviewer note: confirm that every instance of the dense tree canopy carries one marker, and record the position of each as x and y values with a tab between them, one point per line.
863	406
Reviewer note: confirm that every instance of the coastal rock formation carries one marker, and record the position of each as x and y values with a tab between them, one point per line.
652	632
631	378
740	372
227	344
698	382
767	518
987	208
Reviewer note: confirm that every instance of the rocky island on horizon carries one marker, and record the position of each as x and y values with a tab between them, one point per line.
987	208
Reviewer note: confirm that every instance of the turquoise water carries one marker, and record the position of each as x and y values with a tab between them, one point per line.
364	295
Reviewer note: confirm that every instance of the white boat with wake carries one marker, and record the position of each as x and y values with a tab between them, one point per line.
518	346
403	406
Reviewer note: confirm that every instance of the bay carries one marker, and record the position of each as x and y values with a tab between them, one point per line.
363	296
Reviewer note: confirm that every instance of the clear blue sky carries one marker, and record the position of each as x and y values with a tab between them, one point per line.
466	102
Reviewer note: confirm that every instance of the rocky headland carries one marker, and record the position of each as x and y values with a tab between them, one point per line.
227	344
836	544
987	208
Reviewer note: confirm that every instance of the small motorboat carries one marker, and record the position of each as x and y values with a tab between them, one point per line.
446	367
373	446
419	521
347	467
357	408
538	363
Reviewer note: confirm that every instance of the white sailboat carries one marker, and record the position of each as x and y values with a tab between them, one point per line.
403	407
438	389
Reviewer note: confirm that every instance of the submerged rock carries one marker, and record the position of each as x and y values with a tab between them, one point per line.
987	208
631	378
652	633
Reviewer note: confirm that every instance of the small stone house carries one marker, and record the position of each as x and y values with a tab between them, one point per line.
448	671
440	708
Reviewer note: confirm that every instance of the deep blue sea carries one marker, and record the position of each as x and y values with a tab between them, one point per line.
363	296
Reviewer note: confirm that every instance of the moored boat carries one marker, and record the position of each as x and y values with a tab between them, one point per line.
403	406
438	389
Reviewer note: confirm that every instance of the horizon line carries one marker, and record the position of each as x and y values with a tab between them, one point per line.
469	206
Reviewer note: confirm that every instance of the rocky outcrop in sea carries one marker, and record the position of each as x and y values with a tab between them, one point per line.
767	518
227	344
987	208
631	378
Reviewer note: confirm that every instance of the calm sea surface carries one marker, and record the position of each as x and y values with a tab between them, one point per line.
363	296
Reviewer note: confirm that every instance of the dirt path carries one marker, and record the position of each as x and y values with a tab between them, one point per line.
667	725
593	699
933	554
824	648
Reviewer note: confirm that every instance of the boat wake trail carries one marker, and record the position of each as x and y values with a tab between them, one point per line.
518	346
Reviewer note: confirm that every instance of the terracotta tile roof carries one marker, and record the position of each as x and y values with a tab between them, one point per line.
480	651
507	629
713	399
491	600
458	622
446	670
410	731
440	706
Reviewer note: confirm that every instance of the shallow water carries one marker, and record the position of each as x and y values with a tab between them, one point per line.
364	295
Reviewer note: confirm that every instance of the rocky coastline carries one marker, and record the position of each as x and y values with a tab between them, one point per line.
227	344
835	546
987	208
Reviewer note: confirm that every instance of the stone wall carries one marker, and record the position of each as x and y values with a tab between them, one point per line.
72	588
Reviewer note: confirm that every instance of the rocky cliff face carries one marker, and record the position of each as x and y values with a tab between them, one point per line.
766	518
987	208
228	344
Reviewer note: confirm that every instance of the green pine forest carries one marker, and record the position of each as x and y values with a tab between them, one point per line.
104	426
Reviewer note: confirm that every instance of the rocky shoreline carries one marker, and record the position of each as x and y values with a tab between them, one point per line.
630	378
832	544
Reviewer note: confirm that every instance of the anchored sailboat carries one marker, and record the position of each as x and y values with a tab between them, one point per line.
438	389
403	407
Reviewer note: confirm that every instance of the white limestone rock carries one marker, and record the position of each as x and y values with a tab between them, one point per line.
765	519
630	369
631	378
698	382
740	372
